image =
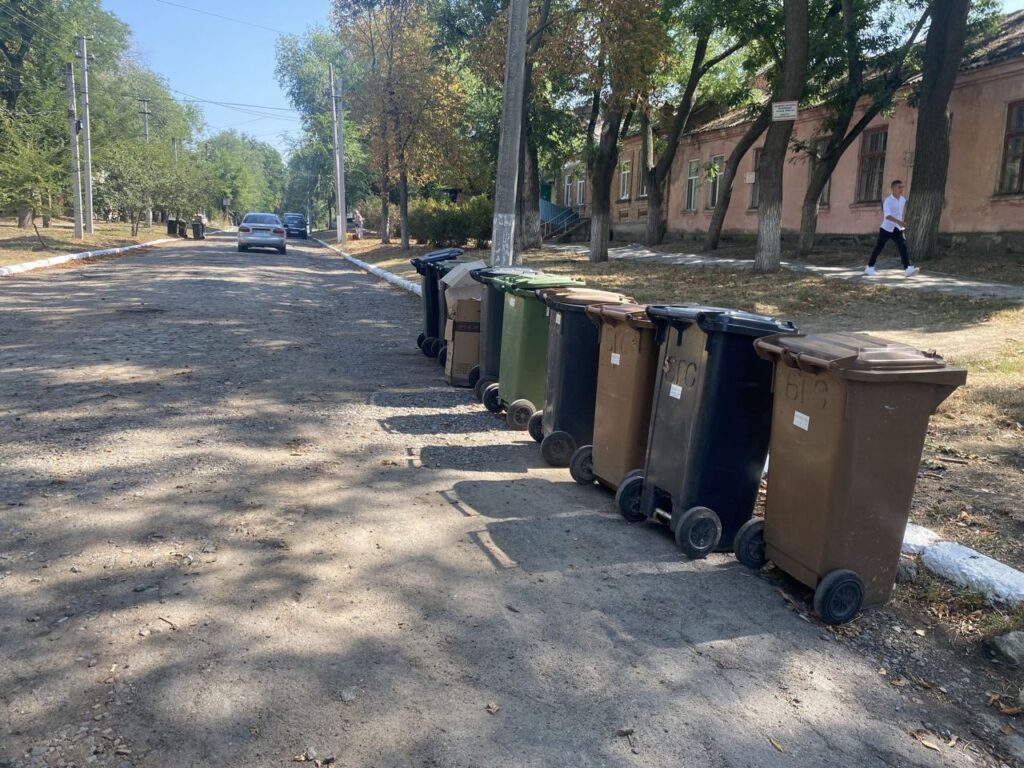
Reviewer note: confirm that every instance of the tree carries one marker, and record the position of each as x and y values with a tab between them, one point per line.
773	156
863	46
942	54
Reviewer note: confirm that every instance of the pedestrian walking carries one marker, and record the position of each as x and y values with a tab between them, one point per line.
892	228
357	219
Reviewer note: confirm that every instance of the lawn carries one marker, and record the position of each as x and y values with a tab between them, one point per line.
21	245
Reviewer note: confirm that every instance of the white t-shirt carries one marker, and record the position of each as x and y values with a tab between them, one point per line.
893	206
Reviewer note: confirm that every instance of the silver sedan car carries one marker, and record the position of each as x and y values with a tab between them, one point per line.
261	230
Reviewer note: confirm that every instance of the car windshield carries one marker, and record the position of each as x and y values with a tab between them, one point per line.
261	218
293	218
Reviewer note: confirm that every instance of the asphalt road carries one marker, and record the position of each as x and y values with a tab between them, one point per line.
242	519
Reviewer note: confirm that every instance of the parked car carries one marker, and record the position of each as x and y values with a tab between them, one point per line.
295	225
262	230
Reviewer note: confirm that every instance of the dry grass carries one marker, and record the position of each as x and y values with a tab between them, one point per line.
21	245
1000	267
391	257
966	616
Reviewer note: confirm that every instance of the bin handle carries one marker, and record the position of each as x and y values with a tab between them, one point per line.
803	361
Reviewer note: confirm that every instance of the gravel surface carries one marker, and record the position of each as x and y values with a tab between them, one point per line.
245	522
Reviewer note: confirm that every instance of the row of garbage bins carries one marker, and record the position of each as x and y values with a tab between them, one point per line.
676	409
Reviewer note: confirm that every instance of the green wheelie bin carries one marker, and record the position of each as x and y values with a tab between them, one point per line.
524	348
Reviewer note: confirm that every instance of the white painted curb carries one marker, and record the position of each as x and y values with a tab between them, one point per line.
53	261
383	274
962	565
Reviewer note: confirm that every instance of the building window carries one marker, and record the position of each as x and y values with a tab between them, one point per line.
820	148
692	184
715	172
581	191
871	165
625	179
1012	181
755	188
643	183
567	197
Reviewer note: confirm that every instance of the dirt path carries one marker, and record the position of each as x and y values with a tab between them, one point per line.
243	520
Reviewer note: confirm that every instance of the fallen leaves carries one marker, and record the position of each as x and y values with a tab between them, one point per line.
925	738
1008	705
774	743
492	708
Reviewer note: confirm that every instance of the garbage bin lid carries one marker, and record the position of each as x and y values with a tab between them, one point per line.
719	319
575	299
488	274
633	314
525	285
861	357
444	254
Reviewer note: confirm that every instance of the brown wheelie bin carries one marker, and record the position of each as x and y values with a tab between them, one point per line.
626	371
850	413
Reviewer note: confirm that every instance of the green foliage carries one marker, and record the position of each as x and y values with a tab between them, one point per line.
369	207
443	223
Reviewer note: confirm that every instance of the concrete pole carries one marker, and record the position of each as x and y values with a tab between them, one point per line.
145	136
86	135
339	159
76	172
504	228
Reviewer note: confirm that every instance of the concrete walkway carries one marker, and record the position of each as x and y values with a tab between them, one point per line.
893	278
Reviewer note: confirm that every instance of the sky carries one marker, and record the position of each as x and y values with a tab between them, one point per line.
221	60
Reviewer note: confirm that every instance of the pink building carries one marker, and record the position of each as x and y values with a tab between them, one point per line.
984	193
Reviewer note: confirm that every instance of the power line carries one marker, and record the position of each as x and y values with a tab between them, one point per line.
236	104
229	105
219	16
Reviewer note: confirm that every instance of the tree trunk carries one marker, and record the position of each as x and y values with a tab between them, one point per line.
533	236
654	231
773	156
403	200
385	200
821	172
605	158
732	166
26	215
942	55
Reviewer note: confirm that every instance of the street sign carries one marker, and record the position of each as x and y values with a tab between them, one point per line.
750	177
784	110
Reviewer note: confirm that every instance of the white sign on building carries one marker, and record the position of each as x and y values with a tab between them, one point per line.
784	110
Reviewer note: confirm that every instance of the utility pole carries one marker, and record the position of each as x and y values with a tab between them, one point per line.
76	171
339	158
504	228
145	136
86	134
174	153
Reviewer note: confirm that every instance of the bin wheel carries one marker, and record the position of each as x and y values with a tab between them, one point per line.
519	414
536	426
435	347
474	376
491	398
627	498
420	339
558	449
839	596
749	544
698	532
581	465
442	356
428	346
483	384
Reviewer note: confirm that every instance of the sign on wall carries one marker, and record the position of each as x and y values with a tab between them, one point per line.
750	177
784	110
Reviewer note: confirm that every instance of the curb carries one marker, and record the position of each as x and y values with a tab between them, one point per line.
954	562
28	266
383	274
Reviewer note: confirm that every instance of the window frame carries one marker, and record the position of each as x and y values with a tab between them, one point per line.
581	191
625	179
567	190
755	188
642	191
1009	134
692	185
714	185
864	158
821	145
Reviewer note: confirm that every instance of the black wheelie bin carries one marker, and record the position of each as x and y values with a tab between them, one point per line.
430	294
570	379
710	426
492	311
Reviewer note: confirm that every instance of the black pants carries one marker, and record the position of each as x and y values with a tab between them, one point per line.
901	245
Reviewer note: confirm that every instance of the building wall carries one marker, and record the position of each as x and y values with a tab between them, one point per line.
979	107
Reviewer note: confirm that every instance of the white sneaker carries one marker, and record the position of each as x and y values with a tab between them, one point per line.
870	272
910	271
